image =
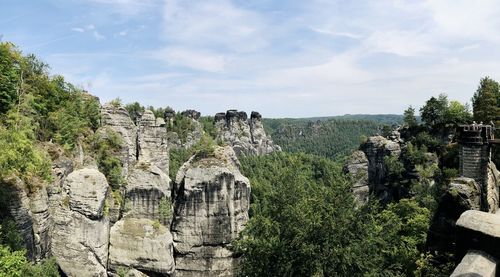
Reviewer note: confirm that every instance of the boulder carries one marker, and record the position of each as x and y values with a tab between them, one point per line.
141	244
478	230
87	190
476	263
211	209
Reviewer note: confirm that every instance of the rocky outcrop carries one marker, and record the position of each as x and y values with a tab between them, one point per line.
246	136
152	141
368	169
92	230
141	244
462	194
146	187
190	135
117	119
211	208
492	183
357	168
80	236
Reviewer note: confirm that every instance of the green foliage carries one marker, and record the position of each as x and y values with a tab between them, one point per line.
160	112
205	147
439	112
117	102
331	138
165	208
208	125
10	73
486	101
12	263
20	156
457	113
106	147
405	226
135	110
9	235
434	110
409	117
47	268
182	125
304	223
395	168
177	158
15	263
156	225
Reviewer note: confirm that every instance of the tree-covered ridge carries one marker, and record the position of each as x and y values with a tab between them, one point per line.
40	116
330	138
304	222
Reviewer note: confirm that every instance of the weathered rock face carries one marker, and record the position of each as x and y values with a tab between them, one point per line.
80	236
368	169
152	141
246	136
357	167
143	245
463	194
211	208
193	134
87	190
492	183
42	223
18	209
376	149
118	120
147	185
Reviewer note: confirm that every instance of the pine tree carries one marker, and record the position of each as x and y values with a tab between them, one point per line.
486	101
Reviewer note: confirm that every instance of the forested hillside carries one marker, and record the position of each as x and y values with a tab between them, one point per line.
329	138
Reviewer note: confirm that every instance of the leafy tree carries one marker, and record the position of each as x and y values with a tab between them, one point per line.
135	110
409	117
434	111
9	76
486	101
457	113
304	223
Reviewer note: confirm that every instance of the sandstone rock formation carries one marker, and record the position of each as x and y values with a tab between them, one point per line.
146	187
152	141
80	236
368	169
118	120
211	208
92	230
246	136
143	245
357	167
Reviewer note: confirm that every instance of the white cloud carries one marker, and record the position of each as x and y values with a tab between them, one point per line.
79	30
213	24
191	58
98	36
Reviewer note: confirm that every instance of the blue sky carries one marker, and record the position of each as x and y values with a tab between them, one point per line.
282	58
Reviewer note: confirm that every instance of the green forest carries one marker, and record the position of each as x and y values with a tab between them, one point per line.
304	220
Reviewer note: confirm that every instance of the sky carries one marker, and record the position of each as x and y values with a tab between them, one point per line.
291	58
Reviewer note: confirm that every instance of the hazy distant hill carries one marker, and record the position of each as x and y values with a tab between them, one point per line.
326	136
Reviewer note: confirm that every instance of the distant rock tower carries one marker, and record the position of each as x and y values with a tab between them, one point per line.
475	155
